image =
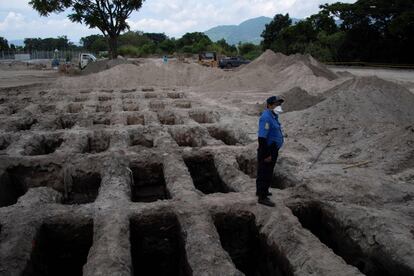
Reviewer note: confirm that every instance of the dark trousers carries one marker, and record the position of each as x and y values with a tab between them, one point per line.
265	172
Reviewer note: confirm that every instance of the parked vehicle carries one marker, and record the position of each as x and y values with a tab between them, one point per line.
85	59
231	62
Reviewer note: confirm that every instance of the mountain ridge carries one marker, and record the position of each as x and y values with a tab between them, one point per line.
249	30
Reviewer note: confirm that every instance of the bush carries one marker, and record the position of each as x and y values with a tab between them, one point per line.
147	49
319	52
167	46
129	51
249	50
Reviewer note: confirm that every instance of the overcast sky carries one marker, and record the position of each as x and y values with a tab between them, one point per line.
172	17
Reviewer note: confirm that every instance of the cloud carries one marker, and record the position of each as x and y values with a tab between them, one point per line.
177	17
15	5
172	17
17	26
12	21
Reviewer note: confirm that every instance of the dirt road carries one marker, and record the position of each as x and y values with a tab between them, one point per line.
400	76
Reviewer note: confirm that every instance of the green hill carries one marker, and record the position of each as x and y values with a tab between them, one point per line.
248	31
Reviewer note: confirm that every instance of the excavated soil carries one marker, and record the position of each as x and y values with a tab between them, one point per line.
150	169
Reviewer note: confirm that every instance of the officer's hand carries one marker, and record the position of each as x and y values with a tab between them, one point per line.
268	159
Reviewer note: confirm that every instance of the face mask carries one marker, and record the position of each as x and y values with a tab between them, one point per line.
278	109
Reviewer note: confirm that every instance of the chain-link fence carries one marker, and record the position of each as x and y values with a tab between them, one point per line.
32	55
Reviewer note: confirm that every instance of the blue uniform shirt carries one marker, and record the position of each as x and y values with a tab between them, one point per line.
270	128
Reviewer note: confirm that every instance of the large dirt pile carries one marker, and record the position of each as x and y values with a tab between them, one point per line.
298	99
270	71
279	62
147	74
102	65
367	115
278	72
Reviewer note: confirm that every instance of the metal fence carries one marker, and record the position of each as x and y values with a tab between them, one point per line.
61	55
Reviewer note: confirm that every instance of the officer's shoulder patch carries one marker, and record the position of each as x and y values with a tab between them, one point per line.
267	126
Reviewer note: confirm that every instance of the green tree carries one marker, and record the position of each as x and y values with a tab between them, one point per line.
148	48
4	45
136	39
129	51
94	43
156	37
194	42
167	46
109	16
48	44
31	44
323	21
224	48
249	50
376	30
273	29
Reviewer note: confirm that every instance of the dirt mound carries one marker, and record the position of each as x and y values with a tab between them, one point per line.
319	69
102	65
279	62
366	119
147	74
362	103
298	99
268	58
278	72
269	72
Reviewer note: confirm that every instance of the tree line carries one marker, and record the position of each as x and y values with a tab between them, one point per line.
368	31
140	44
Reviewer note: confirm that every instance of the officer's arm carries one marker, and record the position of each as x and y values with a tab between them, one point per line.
264	126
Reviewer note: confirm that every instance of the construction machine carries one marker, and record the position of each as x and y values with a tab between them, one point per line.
208	59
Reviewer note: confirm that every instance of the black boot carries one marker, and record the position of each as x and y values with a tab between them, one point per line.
266	201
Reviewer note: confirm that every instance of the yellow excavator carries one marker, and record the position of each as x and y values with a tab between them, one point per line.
208	59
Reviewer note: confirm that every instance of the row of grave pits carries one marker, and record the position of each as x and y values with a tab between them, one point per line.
100	140
147	181
106	98
158	245
167	117
30	90
105	95
248	249
128	104
124	90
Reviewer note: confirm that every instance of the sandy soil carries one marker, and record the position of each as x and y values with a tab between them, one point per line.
150	169
10	78
404	77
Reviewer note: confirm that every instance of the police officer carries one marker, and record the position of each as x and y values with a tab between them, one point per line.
270	141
